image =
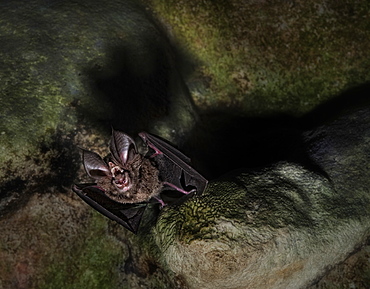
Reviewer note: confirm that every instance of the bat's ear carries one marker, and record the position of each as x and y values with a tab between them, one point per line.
122	147
94	165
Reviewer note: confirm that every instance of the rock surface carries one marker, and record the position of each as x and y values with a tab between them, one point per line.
72	69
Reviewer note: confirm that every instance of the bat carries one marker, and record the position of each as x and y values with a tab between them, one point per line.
126	180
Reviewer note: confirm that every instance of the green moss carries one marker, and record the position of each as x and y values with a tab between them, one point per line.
195	219
265	58
92	263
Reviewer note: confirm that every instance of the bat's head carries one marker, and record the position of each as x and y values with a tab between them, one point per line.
117	169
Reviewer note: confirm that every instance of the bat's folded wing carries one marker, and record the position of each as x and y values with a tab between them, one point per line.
128	215
173	166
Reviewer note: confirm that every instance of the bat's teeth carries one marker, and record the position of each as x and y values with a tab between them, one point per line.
122	182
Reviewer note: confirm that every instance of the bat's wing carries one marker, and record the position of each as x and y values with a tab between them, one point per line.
174	167
128	215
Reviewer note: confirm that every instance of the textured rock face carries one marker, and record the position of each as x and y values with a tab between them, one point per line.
260	57
71	69
281	226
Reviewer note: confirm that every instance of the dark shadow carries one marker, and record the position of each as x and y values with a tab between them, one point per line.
135	96
222	142
345	104
136	83
63	160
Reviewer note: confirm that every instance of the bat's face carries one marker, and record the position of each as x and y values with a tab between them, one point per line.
121	178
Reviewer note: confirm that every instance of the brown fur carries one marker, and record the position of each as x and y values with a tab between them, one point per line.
145	182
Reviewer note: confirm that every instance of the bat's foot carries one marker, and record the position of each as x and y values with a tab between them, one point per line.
179	189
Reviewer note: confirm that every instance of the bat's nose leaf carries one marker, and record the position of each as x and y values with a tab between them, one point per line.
127	215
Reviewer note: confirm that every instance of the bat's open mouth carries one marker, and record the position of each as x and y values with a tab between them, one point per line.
122	182
121	179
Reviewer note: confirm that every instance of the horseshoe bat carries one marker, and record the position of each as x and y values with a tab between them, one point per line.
126	180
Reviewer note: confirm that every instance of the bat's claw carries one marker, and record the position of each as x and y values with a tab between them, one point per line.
192	191
160	201
179	189
143	135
